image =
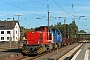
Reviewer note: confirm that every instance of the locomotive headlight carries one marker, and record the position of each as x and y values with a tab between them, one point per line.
38	42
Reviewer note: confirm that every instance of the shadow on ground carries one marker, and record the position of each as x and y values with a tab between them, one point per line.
13	50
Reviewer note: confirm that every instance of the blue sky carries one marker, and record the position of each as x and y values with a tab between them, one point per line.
32	9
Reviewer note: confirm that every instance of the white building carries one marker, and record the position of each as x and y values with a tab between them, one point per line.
9	31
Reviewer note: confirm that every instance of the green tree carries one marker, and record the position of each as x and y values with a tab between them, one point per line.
73	28
21	28
82	31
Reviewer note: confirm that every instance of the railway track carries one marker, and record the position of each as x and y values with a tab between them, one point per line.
54	54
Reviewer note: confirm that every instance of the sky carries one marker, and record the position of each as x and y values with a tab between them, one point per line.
34	13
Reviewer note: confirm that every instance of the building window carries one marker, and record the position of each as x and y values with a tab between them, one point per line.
7	38
16	38
8	32
2	32
16	32
2	38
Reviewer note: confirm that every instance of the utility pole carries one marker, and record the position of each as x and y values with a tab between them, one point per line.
13	29
10	41
48	18
64	28
48	13
11	36
68	31
18	16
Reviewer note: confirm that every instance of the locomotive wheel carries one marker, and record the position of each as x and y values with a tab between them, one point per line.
24	54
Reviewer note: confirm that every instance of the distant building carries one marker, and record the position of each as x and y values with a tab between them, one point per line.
9	30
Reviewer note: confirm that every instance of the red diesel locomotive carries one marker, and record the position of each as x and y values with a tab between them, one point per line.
43	39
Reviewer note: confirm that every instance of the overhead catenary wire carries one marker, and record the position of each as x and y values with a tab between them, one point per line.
72	6
68	2
13	2
47	5
18	7
61	8
29	11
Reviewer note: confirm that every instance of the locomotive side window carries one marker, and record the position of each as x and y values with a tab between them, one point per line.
50	34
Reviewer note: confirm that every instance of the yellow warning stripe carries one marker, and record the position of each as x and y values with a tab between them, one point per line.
40	50
25	51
